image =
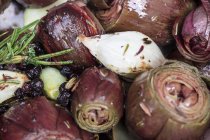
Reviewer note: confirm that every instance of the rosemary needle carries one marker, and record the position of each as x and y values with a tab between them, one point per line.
16	48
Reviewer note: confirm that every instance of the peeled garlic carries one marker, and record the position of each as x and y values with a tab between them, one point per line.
52	79
126	53
9	82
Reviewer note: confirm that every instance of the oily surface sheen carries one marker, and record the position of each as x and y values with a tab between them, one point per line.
154	18
193	36
38	119
173	99
98	96
59	31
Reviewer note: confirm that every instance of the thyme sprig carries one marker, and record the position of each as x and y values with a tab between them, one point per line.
16	48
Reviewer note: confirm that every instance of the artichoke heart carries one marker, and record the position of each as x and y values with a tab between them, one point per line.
170	102
97	103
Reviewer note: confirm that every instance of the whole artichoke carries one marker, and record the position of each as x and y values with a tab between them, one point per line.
97	102
168	103
153	18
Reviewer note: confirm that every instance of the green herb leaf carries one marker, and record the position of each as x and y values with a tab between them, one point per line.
16	48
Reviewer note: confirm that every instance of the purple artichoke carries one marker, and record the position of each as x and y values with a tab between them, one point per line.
151	17
97	103
193	37
170	102
38	119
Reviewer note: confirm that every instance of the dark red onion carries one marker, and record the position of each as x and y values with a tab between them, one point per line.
38	119
193	37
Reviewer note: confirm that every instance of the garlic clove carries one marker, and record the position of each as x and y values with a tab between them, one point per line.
126	53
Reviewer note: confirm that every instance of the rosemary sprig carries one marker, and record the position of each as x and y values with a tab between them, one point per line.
16	48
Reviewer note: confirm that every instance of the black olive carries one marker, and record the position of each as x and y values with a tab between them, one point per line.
35	94
22	66
19	94
34	72
11	67
26	88
37	85
62	87
66	71
64	98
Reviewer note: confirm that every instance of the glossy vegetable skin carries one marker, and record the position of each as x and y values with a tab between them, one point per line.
60	28
35	3
154	18
168	103
39	119
192	34
97	102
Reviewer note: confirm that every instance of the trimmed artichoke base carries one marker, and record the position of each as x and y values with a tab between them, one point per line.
182	94
96	118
